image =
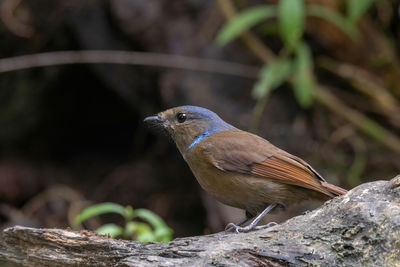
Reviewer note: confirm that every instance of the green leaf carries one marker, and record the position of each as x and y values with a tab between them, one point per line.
129	213
333	17
99	209
163	234
356	8
142	231
271	76
110	229
243	21
146	237
161	230
150	217
303	77
291	18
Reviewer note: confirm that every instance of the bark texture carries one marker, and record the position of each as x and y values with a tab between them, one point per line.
361	228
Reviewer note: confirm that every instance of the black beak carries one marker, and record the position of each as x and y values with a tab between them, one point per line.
153	120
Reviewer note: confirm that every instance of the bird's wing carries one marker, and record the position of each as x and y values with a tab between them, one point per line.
244	152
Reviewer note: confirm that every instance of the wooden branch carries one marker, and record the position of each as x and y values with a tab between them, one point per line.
361	228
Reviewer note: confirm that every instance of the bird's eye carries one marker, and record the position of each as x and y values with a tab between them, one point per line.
181	117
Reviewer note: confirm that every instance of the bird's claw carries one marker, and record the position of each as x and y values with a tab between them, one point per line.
231	227
239	229
236	228
265	226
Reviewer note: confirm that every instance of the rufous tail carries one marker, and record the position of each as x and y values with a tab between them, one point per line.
336	190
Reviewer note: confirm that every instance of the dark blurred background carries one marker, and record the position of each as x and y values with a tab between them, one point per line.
73	135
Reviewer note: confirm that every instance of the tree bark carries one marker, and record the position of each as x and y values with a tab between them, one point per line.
361	228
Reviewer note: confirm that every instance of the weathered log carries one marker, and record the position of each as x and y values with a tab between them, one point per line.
361	228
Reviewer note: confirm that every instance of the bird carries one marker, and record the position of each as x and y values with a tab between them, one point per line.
241	169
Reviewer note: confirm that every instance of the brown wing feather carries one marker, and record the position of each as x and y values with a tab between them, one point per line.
244	152
289	171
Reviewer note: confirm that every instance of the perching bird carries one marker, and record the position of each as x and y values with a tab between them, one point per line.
241	169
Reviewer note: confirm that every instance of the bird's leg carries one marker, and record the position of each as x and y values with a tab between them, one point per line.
231	226
253	224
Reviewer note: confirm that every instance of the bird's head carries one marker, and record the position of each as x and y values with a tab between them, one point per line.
188	125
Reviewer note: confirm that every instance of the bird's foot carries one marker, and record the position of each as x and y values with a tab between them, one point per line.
244	229
231	227
265	226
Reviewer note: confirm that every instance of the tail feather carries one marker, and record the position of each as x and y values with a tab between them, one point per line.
336	190
333	189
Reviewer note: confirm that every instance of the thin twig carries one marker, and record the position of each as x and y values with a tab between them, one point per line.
356	118
368	84
257	113
127	57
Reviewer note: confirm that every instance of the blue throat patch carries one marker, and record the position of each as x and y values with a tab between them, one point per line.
199	138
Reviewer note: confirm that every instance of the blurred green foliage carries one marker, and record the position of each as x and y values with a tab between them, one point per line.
295	61
271	77
153	228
